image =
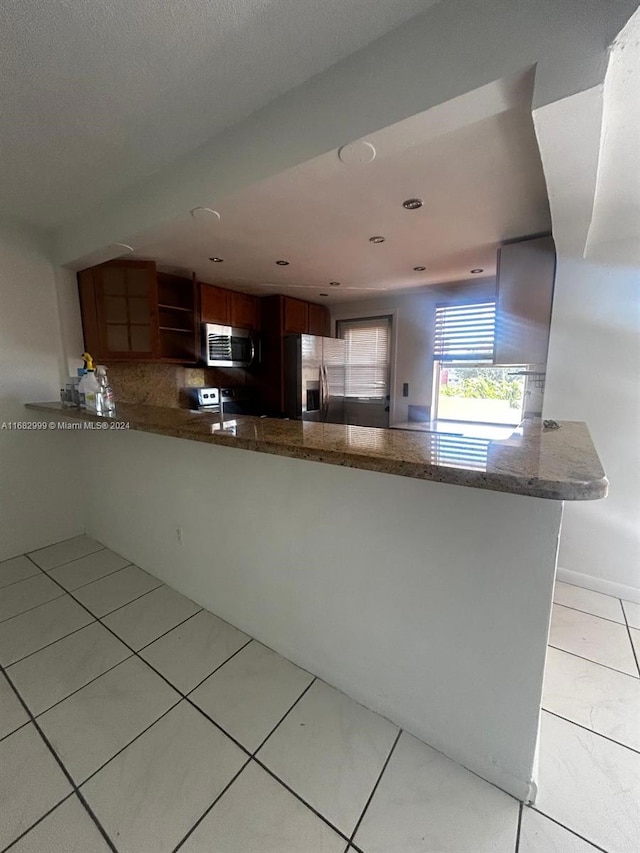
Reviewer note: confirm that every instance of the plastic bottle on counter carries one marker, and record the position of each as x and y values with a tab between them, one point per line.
88	387
106	402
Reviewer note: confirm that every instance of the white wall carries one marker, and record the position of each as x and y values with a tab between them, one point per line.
388	588
40	487
412	336
593	371
594	376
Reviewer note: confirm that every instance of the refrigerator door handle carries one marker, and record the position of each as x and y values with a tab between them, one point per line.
325	392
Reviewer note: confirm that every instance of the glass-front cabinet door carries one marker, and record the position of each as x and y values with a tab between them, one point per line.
127	309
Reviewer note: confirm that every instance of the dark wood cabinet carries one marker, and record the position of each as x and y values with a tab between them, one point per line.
228	307
178	319
319	320
214	304
245	311
131	313
295	316
119	304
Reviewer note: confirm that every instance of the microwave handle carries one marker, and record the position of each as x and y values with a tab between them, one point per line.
252	354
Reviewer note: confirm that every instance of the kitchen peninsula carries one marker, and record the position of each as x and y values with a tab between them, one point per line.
425	596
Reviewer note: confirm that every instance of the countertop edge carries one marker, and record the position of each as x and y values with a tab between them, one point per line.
546	489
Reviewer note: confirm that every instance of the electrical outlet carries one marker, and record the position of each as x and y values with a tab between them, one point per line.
179	534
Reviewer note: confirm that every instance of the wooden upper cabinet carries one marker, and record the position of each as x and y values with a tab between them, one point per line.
215	305
295	316
319	320
119	305
245	310
526	272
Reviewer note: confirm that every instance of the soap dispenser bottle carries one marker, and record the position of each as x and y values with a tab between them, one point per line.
88	387
106	400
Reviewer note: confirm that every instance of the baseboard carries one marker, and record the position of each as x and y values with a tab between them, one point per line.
618	590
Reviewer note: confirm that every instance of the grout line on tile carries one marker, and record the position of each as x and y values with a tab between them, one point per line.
133	740
21	726
102	577
29	609
220	665
284	716
52	643
517	848
120	606
582	657
375	787
33	825
572	831
207	810
66	562
301	799
86	684
13	583
628	627
587	612
61	765
591	731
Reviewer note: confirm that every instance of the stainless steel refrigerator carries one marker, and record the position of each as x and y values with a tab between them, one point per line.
314	378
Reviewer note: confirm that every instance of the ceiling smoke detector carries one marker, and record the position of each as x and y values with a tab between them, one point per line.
377	239
205	214
357	153
419	269
283	263
412	204
477	270
217	260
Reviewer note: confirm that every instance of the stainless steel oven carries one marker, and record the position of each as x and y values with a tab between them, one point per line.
226	346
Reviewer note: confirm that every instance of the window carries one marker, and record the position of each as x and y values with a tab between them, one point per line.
367	357
465	332
468	387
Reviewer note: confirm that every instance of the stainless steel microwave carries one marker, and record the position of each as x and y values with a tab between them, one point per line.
226	346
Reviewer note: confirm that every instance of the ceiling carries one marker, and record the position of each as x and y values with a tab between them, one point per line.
473	161
99	95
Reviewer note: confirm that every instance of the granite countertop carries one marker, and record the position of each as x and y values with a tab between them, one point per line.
557	464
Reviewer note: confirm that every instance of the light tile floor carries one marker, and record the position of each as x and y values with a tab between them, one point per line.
132	720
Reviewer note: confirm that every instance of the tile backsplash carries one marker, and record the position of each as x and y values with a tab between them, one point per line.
165	384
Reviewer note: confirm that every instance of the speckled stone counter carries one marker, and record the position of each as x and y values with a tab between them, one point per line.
557	464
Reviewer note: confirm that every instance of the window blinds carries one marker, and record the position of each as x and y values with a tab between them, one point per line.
367	357
465	332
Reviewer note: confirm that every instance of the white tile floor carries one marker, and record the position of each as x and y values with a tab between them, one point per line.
132	720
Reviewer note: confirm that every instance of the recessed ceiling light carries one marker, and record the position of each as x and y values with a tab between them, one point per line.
419	269
334	284
376	239
217	260
324	294
283	263
477	270
204	213
412	203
